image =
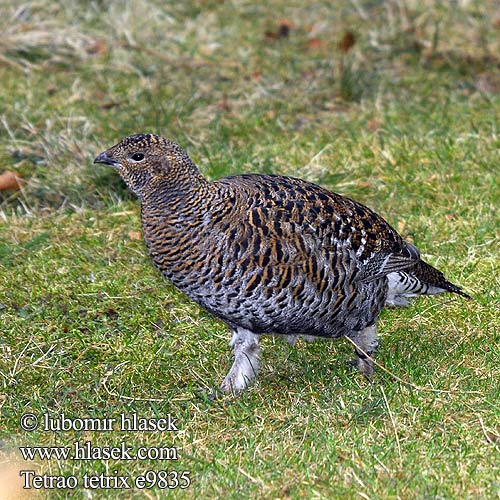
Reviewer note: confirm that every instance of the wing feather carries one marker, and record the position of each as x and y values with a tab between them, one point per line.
303	219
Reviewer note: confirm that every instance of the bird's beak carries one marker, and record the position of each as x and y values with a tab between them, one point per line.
104	158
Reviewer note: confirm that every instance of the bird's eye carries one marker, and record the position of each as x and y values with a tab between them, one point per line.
137	156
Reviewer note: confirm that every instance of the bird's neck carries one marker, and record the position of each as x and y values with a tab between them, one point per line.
177	195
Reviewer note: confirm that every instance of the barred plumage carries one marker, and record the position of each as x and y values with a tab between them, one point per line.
270	254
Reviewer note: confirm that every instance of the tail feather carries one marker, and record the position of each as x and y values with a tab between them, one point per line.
430	275
421	279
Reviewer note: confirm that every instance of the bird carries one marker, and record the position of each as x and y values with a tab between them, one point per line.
270	254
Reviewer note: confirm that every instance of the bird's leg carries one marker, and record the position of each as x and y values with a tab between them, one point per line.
367	341
292	339
246	349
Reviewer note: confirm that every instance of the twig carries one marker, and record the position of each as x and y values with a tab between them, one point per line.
104	380
393	425
404	382
14	368
489	436
248	476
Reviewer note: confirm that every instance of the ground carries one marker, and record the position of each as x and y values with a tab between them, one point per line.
394	104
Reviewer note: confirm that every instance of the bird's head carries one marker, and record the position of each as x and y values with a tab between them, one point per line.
143	160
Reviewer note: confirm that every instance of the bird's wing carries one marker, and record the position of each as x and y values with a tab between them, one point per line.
287	220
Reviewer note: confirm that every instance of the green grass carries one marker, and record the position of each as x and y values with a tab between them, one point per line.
89	329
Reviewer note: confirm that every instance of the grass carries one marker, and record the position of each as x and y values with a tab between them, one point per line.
405	121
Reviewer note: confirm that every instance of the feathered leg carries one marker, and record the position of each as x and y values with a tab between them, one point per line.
367	341
246	349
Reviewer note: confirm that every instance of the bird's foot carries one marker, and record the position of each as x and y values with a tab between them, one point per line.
365	366
234	383
246	362
366	343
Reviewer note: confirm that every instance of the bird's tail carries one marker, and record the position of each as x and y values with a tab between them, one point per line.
421	279
430	275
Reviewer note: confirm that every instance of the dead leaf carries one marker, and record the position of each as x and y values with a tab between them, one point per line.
284	21
110	312
283	31
51	89
103	100
108	104
97	47
9	180
373	125
98	94
488	83
308	75
135	235
347	42
257	76
364	184
336	106
224	103
300	123
122	214
491	437
315	43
